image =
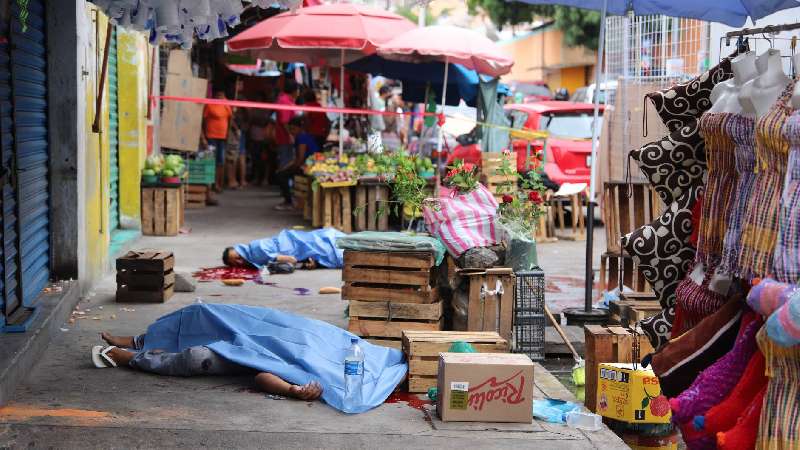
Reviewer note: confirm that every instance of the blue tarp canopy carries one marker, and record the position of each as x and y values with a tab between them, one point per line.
729	12
462	83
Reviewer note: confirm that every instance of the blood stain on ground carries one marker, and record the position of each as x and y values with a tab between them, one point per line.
412	400
225	273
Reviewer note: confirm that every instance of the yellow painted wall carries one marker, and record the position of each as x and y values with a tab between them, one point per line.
96	171
574	77
133	53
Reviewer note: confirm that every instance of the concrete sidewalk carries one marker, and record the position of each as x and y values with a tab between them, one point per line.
67	403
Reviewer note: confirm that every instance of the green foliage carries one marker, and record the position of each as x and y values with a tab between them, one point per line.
580	26
462	177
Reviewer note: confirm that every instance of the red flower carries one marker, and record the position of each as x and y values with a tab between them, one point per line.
535	197
507	198
451	173
469	167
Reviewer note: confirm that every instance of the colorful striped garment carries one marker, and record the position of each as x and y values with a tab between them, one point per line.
741	129
787	250
779	426
760	227
722	181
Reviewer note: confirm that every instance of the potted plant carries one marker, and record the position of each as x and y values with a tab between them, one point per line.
522	205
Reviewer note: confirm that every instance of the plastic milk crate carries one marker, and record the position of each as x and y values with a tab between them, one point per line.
529	319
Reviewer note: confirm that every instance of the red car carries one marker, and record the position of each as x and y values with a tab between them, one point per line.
568	155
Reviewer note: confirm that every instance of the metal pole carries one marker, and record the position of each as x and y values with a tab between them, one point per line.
441	128
341	96
593	178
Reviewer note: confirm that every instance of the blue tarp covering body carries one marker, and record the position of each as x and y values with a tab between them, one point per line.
297	349
317	244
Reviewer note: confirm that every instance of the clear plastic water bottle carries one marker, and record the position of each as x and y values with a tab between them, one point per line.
353	376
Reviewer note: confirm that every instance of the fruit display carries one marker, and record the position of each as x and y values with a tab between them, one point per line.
168	168
328	167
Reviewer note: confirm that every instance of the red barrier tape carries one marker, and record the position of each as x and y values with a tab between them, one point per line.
277	107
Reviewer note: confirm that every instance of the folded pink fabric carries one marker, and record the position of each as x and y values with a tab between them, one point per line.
769	295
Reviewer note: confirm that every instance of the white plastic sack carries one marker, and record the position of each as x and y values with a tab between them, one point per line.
463	221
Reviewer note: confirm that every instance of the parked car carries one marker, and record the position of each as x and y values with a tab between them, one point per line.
568	153
608	93
530	91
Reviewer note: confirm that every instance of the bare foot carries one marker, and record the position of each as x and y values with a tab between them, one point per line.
308	392
118	341
120	356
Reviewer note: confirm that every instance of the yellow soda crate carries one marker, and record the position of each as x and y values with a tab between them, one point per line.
630	395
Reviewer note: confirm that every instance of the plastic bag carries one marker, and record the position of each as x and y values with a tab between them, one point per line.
552	410
463	221
392	241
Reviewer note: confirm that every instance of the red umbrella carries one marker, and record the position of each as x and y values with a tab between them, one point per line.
452	45
318	34
322	35
448	44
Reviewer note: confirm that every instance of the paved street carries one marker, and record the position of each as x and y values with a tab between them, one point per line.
67	403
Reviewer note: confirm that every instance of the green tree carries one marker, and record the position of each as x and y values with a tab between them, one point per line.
580	26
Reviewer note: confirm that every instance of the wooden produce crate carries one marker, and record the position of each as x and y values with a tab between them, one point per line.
422	350
332	206
303	195
196	195
390	292
496	183
162	210
491	300
145	276
608	345
371	208
619	268
625	210
404	277
629	312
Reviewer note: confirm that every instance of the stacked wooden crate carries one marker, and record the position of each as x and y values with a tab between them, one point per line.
371	207
196	196
390	292
145	276
332	206
162	210
303	195
422	350
496	183
490	304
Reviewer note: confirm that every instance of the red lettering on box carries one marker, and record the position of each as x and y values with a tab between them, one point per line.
507	391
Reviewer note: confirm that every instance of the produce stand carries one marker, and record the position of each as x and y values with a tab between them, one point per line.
336	205
371	195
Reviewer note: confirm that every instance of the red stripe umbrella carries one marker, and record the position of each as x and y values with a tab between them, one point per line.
448	44
322	35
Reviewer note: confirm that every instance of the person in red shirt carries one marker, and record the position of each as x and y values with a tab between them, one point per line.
283	140
216	122
318	124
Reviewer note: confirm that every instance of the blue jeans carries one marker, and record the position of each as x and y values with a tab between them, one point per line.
199	360
219	150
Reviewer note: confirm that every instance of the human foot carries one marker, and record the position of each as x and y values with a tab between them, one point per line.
308	392
118	341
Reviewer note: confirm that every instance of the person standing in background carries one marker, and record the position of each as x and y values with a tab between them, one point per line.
394	134
216	122
283	140
318	124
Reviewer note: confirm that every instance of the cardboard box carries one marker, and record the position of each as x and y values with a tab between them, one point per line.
485	387
630	395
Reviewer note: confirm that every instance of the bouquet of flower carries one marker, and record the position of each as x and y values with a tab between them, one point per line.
462	177
521	208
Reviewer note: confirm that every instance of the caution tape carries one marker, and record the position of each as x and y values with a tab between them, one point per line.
515	133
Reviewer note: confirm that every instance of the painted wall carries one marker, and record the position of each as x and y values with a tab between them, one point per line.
93	190
542	55
133	61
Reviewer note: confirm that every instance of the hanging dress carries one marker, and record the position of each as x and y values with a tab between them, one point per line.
779	425
787	250
720	187
760	226
741	130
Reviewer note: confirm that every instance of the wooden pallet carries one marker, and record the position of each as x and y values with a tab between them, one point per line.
145	276
196	195
303	195
162	210
371	208
625	210
404	277
608	345
422	351
489	310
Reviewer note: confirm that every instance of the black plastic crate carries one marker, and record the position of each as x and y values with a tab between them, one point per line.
529	317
